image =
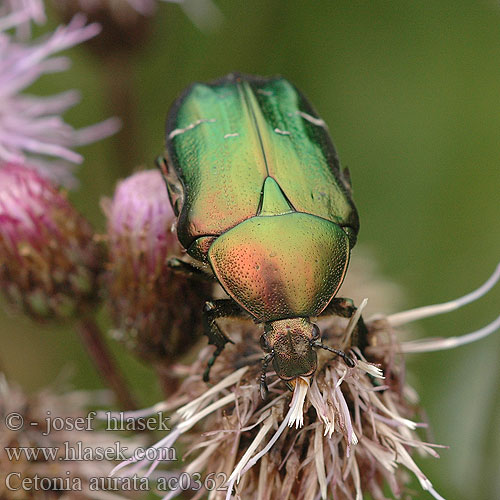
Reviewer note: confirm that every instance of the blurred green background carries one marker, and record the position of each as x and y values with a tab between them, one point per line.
411	94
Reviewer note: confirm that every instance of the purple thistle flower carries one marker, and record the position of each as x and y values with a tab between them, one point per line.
49	262
144	291
31	128
140	213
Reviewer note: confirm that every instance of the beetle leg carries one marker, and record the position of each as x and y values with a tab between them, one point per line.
161	164
174	186
223	308
263	384
341	306
181	266
345	308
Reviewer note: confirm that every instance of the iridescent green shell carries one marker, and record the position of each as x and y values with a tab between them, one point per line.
256	183
225	138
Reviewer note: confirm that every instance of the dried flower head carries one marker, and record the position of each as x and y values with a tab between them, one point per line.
40	448
49	262
144	292
31	127
347	432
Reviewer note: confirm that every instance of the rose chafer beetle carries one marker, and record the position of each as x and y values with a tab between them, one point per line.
256	184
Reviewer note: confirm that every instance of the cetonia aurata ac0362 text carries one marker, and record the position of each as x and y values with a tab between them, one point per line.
256	184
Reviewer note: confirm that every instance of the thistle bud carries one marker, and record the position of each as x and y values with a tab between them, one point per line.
156	312
49	262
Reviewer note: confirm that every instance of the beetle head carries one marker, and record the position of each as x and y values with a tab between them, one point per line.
291	343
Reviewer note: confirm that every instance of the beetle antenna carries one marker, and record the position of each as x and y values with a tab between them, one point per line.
347	359
263	384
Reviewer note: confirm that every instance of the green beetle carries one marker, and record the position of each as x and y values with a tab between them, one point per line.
256	184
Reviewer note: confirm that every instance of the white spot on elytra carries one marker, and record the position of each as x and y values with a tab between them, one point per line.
191	126
235	134
281	132
312	119
264	92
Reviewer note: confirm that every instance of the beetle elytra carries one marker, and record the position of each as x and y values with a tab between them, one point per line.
256	184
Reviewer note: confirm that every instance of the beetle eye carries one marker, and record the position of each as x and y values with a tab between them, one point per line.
316	333
264	344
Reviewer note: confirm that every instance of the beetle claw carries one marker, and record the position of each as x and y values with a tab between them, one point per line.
349	361
208	306
263	384
264	391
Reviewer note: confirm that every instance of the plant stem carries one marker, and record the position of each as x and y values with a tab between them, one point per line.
122	101
92	338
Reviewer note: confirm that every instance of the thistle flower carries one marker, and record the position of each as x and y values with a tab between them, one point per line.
346	432
144	291
49	262
31	128
35	448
